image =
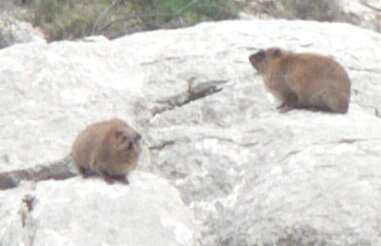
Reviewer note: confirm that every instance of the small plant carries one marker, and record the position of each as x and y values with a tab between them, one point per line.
71	19
65	19
178	13
321	10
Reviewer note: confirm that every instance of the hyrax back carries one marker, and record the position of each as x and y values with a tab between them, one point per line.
109	148
304	80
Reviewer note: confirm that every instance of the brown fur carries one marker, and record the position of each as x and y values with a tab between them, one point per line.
109	148
303	80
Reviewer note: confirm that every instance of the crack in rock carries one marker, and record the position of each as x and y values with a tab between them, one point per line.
58	170
171	59
232	141
370	6
377	113
162	145
339	141
367	70
192	94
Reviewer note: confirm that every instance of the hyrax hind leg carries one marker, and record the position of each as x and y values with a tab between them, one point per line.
107	178
82	171
110	179
121	178
336	103
104	174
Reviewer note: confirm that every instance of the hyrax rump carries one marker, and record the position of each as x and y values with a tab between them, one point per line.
109	148
303	80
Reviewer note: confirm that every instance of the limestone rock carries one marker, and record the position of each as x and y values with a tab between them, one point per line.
323	189
365	13
13	31
149	211
251	176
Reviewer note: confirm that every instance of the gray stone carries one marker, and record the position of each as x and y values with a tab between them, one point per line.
365	13
323	189
58	170
13	31
251	175
148	211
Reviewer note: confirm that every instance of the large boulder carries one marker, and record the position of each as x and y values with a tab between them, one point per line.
14	31
365	13
315	186
147	212
252	176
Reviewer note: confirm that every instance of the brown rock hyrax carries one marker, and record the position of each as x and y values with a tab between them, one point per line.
109	148
303	80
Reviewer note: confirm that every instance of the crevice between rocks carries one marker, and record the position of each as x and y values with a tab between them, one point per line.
377	113
192	94
370	6
232	141
338	141
162	145
366	70
166	143
171	59
58	170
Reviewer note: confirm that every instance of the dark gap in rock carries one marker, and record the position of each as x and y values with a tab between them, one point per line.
58	170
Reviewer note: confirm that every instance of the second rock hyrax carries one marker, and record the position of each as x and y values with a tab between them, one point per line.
304	80
109	148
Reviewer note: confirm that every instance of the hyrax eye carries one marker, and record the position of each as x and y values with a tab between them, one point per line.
261	54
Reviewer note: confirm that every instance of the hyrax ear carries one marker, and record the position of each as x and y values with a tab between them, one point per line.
261	54
276	52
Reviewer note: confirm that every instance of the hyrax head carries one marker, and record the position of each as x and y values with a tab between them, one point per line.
263	58
125	142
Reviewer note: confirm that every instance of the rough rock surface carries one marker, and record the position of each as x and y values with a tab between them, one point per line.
251	175
13	31
365	13
147	212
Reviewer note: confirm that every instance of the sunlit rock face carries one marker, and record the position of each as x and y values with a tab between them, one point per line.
250	175
14	31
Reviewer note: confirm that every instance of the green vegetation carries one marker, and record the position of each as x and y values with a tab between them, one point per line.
71	19
321	10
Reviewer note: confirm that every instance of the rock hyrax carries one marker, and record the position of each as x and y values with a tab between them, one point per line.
109	148
303	80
